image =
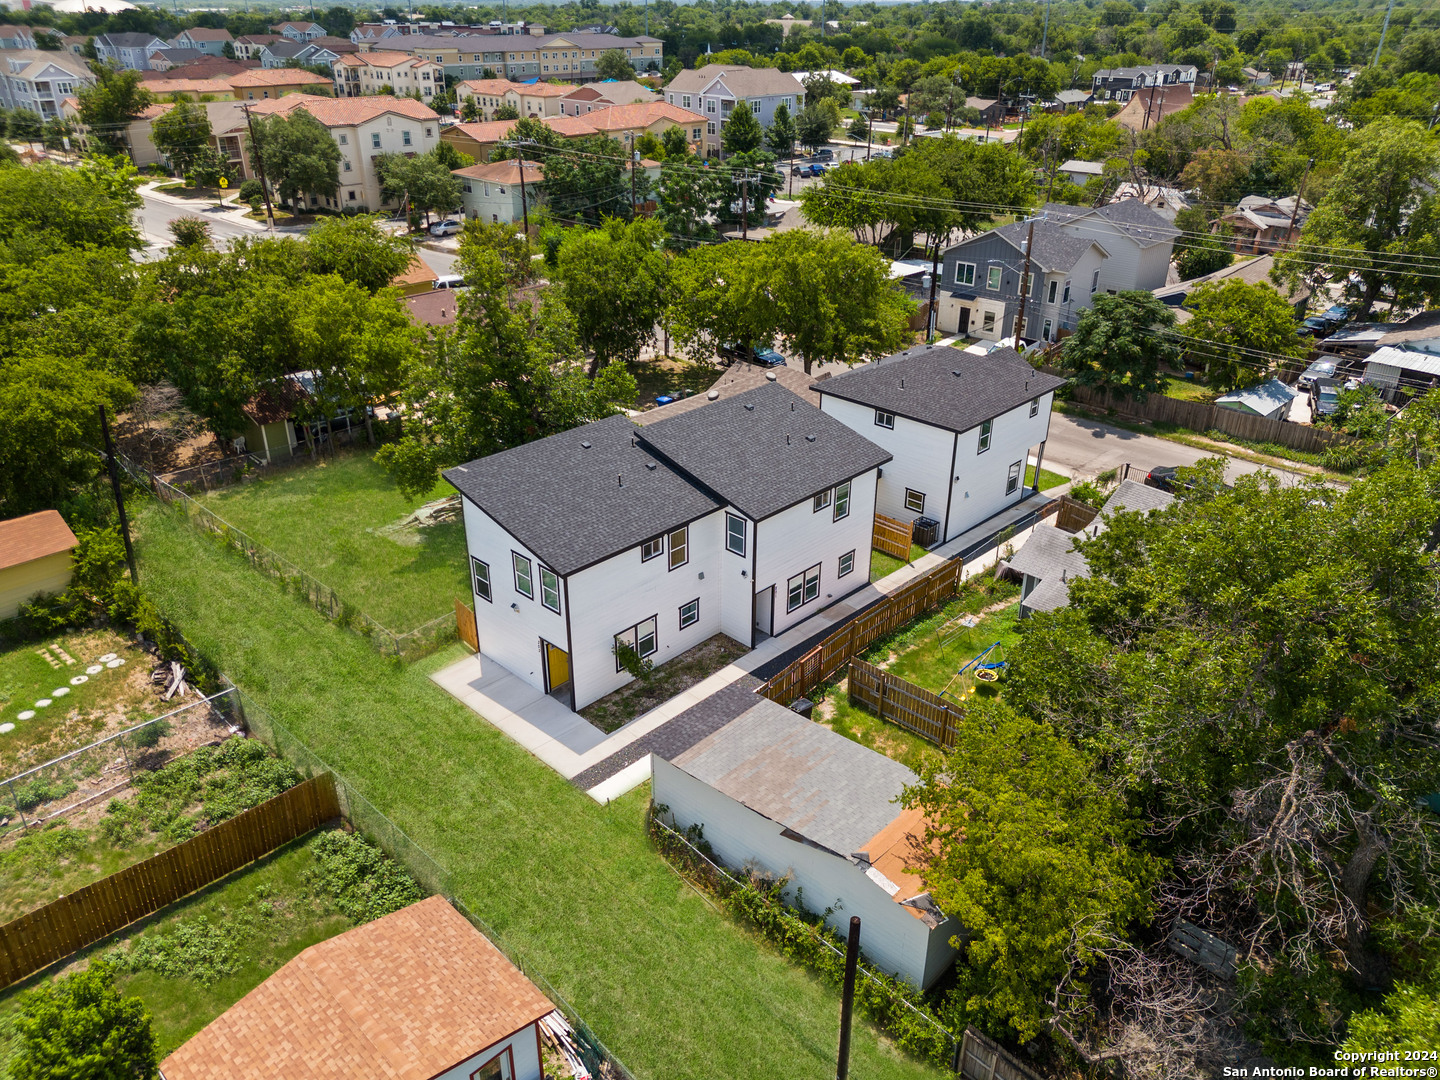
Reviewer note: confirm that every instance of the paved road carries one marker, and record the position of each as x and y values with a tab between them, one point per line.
1085	447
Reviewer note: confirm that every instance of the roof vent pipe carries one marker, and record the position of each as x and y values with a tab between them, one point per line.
620	481
770	375
712	395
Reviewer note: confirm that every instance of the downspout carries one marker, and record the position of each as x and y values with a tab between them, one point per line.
570	644
950	486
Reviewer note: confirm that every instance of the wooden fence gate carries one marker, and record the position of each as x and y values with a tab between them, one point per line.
984	1059
465	624
892	537
903	703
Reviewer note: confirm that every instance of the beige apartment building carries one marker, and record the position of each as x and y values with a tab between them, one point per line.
373	72
527	99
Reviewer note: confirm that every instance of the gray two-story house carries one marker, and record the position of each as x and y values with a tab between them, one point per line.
715	91
130	51
1138	240
979	291
1120	84
202	39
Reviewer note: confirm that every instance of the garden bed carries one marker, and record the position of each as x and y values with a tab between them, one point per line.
674	677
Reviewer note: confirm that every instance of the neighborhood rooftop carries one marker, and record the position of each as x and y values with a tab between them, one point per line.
33	536
831	791
1131	216
598	474
943	386
764	450
1055	250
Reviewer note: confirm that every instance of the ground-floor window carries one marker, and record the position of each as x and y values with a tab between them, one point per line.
641	637
1012	481
802	588
847	563
915	500
690	613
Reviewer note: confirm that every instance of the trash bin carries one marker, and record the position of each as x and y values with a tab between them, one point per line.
803	706
925	531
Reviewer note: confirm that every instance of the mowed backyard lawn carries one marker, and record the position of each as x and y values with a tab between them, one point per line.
336	518
672	986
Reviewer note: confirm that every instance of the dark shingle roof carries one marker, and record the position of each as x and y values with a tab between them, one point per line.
763	450
572	504
933	394
1131	216
1055	249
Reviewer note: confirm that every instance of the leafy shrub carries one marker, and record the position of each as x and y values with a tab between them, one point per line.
148	737
42	851
1342	457
81	1026
1089	493
42	790
122	824
196	948
250	190
364	882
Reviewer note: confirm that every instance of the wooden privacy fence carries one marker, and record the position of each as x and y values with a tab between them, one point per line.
1072	515
465	625
855	637
985	1059
40	937
903	703
1201	416
892	537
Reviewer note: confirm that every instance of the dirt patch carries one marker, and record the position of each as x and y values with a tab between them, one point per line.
408	531
675	677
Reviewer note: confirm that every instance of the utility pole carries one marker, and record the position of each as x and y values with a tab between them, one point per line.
1045	37
524	205
634	199
745	206
1024	283
1383	30
870	132
119	498
847	998
259	160
1299	195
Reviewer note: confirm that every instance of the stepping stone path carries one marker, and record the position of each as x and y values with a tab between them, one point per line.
109	660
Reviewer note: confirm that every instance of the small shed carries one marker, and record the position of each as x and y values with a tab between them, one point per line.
1396	372
419	993
777	793
1270	399
1079	172
34	559
269	424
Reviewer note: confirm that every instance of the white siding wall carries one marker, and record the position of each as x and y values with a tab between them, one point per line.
524	1047
511	637
797	538
1128	266
890	936
622	591
1153	267
737	590
922	458
979	490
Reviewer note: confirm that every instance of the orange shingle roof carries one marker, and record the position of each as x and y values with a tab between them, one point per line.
503	172
493	87
33	536
383	59
345	112
643	114
898	852
405	997
277	77
415	273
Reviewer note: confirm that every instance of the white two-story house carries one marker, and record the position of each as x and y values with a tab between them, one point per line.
1138	241
959	428
741	518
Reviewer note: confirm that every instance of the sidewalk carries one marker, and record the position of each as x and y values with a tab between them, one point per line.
234	214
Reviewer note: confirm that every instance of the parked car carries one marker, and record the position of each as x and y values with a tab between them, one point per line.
1320	369
449	281
881	154
1313	326
448	227
765	357
808	169
823	155
1325	397
1167	478
1337	314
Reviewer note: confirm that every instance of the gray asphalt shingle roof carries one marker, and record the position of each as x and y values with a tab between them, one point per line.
832	791
1055	250
1131	216
574	504
764	450
1135	496
1049	554
922	384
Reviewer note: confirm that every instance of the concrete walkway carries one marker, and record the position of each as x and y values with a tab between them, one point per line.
607	766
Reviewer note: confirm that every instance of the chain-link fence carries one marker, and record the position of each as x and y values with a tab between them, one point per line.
292	579
99	769
434	878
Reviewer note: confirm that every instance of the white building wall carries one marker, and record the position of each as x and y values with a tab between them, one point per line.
359	186
510	634
891	937
798	538
524	1047
980	479
1153	266
488	201
1128	265
620	592
737	589
922	458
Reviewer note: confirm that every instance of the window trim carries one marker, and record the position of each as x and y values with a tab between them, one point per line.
695	618
731	519
555	588
1054	290
515	560
1034	406
804	578
821	500
993	279
910	499
966	278
987	429
880	415
659	542
1012	478
684	547
475	581
635	631
841	501
840	566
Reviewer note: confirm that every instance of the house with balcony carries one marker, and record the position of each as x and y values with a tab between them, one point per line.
130	50
979	294
716	90
228	135
40	80
535	100
1260	224
568	57
613	543
248	46
959	428
318	52
374	72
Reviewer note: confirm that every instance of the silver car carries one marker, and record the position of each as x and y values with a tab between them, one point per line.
1320	369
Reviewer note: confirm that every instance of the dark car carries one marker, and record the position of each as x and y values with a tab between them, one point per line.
823	155
1167	478
1315	327
1337	314
806	168
765	357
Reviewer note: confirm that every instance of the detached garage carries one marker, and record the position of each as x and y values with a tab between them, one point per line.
34	558
774	791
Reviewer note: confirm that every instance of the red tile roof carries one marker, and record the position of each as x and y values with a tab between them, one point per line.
503	172
383	59
408	996
544	89
278	77
33	536
493	87
345	112
626	117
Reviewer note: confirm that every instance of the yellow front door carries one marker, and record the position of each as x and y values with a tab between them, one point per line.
557	664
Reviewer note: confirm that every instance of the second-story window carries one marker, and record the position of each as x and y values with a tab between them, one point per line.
993	280
984	443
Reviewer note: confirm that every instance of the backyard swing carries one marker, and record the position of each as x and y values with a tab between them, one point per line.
981	670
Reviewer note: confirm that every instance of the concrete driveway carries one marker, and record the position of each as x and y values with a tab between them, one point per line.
1085	448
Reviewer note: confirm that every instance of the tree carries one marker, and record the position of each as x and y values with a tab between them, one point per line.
191	232
1237	329
80	1026
506	112
1377	218
424	182
742	132
26	125
108	107
451	158
687	193
358	250
470	110
675	143
781	134
47	207
181	133
886	99
1120	343
613	64
814	126
859	129
1032	855
299	156
614	281
649	146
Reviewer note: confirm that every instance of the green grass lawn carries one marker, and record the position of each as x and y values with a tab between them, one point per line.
1188	390
330	519
263	915
674	988
883	564
1048	479
673	377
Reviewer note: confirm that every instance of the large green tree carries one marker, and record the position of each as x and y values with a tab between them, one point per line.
1120	344
358	250
299	155
46	207
111	104
742	131
424	182
80	1026
182	133
780	136
614	280
1240	331
613	64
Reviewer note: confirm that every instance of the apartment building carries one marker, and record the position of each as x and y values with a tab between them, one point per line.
202	39
527	99
364	129
39	80
372	72
129	51
262	83
716	91
570	57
